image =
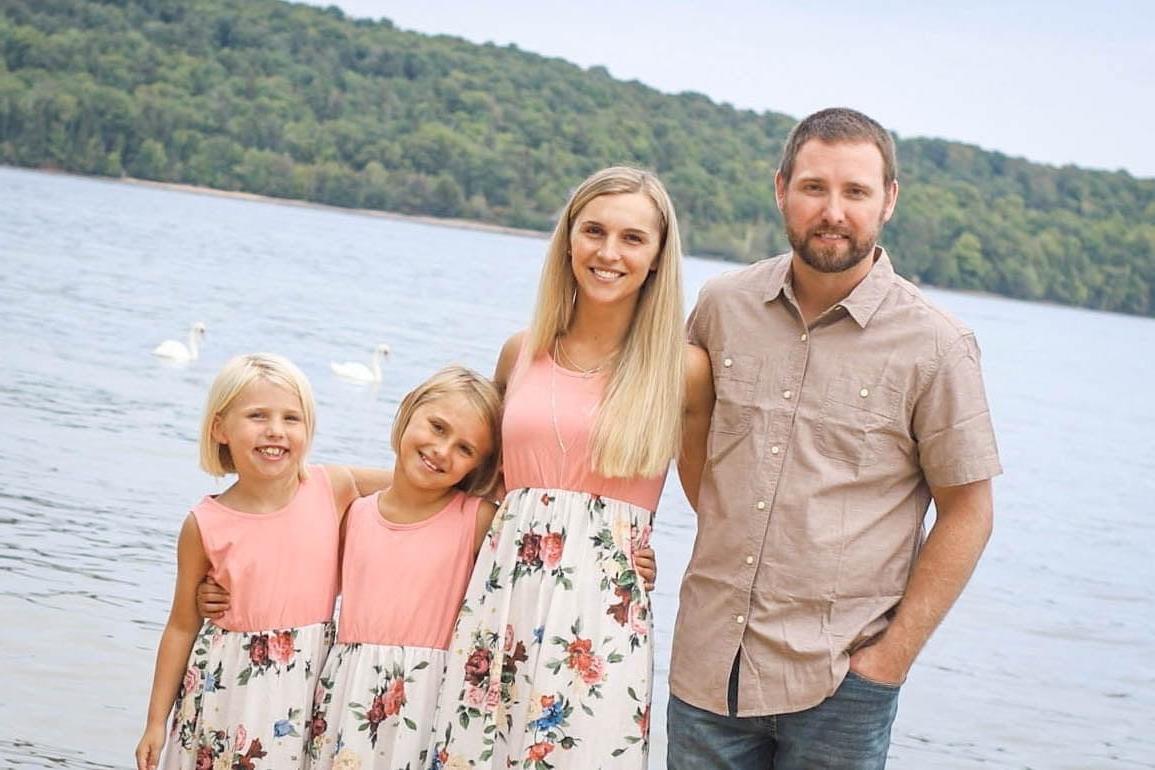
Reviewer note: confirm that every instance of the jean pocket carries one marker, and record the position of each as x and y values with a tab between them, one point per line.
866	681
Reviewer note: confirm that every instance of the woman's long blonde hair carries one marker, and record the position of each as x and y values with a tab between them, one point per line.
638	426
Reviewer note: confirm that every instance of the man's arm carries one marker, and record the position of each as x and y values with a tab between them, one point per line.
964	518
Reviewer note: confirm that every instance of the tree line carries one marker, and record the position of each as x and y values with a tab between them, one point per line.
301	102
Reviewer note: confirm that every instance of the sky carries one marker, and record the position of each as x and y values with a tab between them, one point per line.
1056	82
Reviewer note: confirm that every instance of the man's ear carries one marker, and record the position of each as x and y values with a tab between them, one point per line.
891	201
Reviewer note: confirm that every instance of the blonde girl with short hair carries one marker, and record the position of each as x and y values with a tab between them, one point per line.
242	683
551	661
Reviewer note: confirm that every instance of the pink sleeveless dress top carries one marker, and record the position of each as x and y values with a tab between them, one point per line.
548	407
281	567
402	584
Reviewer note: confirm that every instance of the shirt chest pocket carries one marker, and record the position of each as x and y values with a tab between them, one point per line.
855	418
735	377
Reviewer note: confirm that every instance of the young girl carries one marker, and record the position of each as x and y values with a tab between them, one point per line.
407	558
551	660
242	683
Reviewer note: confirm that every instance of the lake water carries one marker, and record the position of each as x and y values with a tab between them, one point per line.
1048	660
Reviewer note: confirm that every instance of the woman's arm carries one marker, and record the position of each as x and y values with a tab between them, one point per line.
697	411
175	643
505	363
507	360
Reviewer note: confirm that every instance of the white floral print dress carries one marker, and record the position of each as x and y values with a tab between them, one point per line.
551	660
402	586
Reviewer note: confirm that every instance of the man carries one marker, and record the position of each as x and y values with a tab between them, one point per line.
845	403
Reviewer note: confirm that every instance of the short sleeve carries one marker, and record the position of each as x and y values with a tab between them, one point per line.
952	422
696	326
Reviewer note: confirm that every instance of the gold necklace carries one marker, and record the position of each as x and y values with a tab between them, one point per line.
553	412
560	353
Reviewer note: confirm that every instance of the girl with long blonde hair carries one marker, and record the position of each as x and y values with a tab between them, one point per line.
551	659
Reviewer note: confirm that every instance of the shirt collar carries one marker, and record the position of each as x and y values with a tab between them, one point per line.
779	277
861	304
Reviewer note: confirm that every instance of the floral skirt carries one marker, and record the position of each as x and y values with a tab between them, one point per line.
245	698
551	660
374	707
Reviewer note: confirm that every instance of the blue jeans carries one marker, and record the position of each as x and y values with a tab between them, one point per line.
850	730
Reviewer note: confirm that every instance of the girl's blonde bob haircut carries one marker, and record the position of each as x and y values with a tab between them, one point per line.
482	395
238	374
638	427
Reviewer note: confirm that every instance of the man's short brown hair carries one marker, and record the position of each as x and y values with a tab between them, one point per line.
840	124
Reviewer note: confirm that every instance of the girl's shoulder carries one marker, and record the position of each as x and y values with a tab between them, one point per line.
364	507
319	474
473	503
479	515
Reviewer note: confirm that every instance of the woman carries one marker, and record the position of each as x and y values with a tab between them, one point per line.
551	661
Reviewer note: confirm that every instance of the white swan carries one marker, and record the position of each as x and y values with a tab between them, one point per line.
178	351
358	372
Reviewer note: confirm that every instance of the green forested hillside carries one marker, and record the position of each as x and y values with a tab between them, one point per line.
295	101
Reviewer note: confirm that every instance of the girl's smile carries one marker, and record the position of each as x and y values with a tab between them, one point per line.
264	429
445	440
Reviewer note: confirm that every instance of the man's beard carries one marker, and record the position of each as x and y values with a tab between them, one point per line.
827	259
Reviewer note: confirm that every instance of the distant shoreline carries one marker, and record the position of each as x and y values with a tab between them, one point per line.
461	224
486	227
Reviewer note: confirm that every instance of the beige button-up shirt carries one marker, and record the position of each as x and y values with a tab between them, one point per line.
822	447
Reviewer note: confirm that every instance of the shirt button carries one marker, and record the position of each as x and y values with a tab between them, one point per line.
803	337
761	505
727	362
787	393
864	392
775	449
740	619
749	559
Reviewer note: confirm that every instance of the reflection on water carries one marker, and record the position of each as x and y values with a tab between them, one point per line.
1045	663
